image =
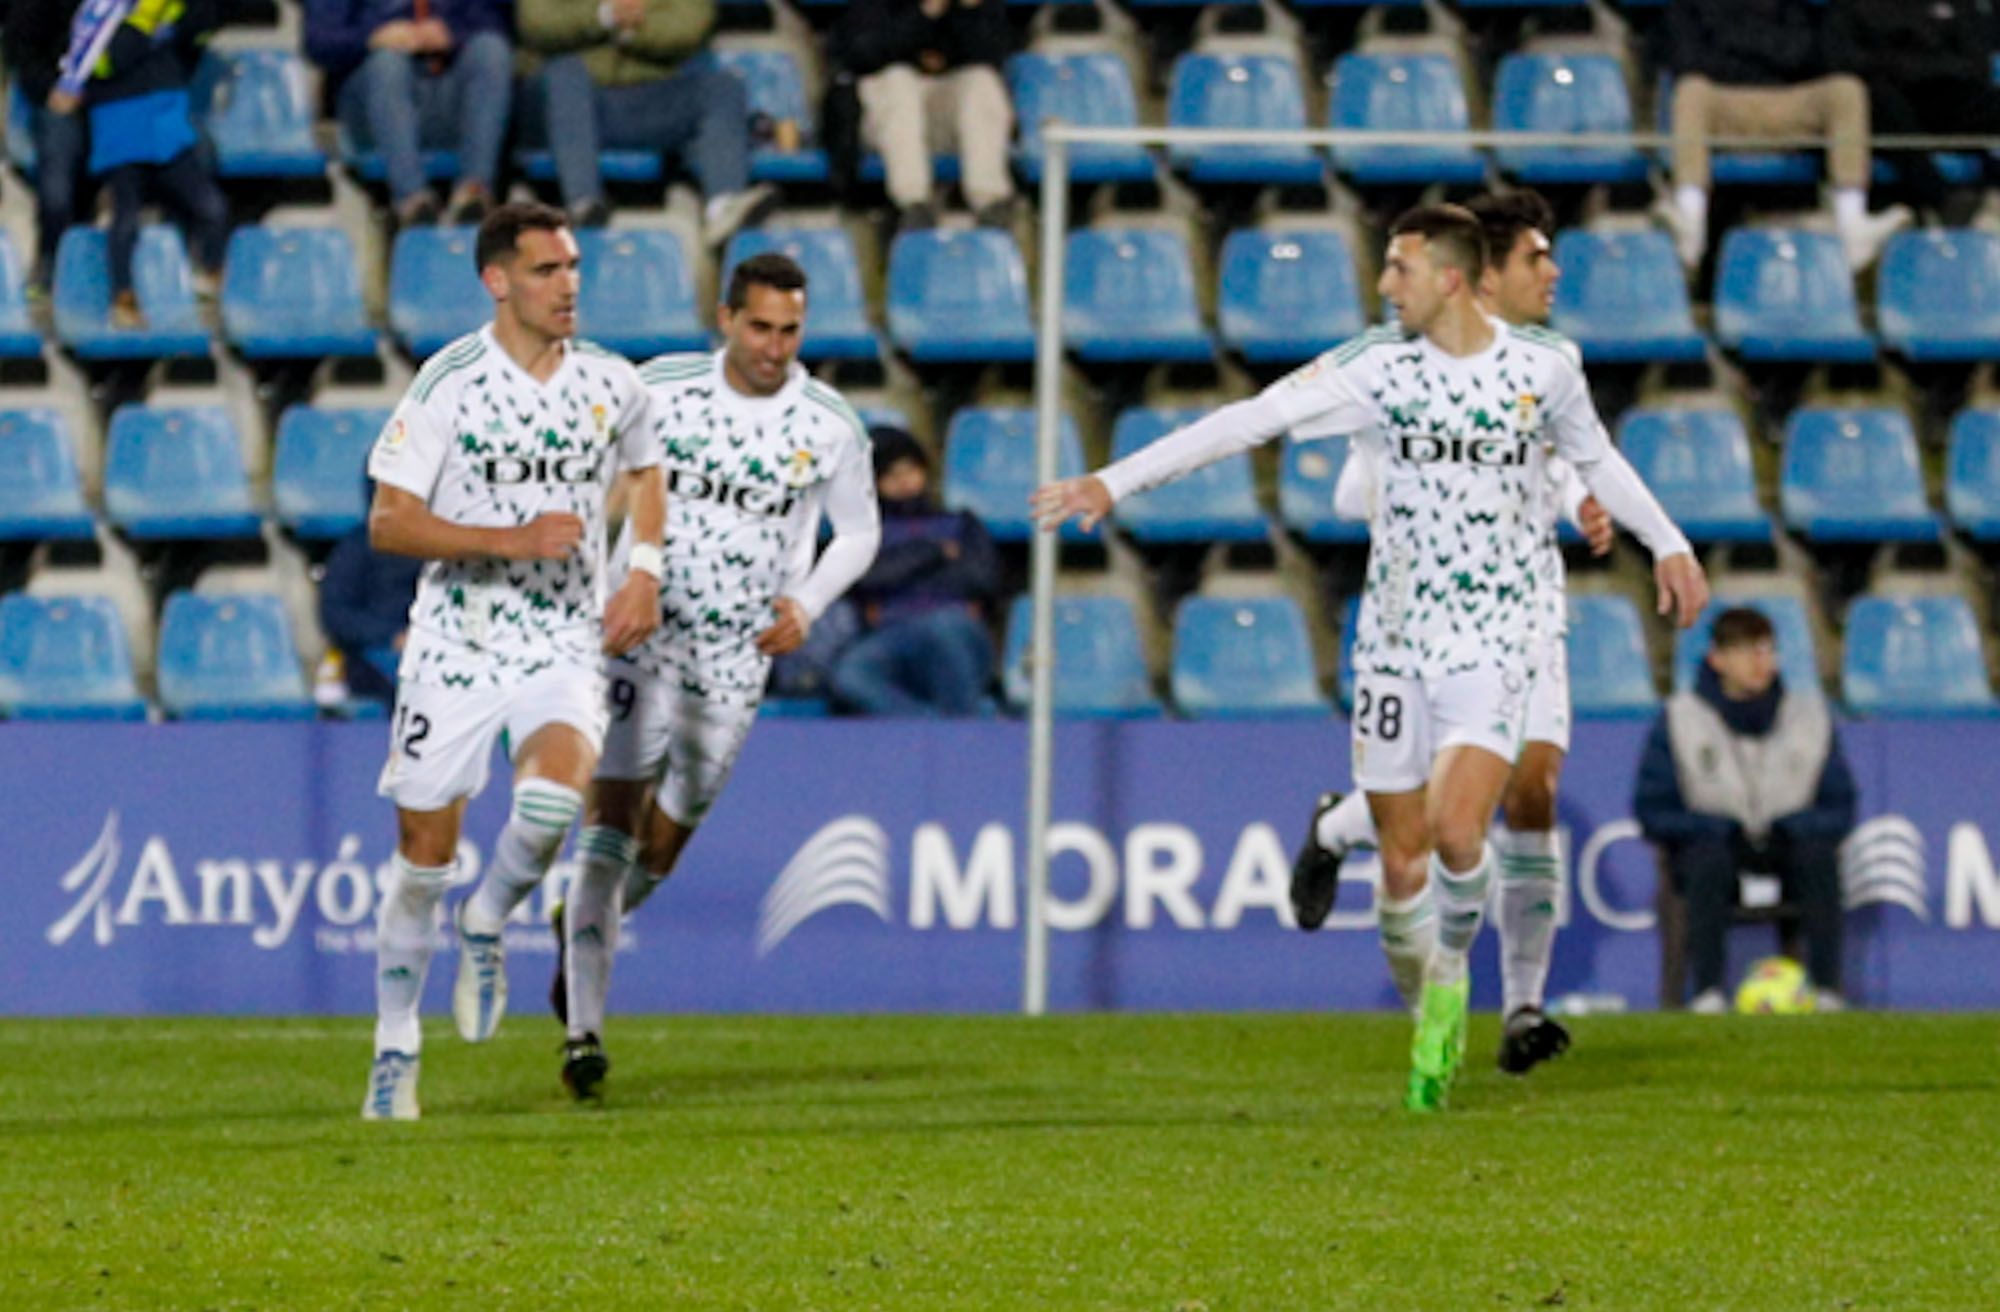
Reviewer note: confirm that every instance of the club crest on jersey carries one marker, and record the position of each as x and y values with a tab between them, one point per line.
800	467
599	418
1525	411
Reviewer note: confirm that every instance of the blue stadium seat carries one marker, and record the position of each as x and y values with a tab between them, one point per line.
1853	476
258	113
1092	89
65	658
317	473
778	92
1783	294
1240	91
366	162
883	416
1565	93
1128	296
177	474
1216	503
1307	474
1798	662
837	326
41	496
1622	298
1350	624
1914	656
989	468
1287	294
19	339
230	657
1972	474
1697	462
1609	674
294	294
1244	657
958	296
161	277
622	166
435	295
1402	93
1937	294
638	293
1100	670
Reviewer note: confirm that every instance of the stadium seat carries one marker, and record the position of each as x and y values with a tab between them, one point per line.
1100	669
65	658
1212	90
1972	474
19	339
230	657
1914	656
1288	294
778	94
837	326
1402	93
630	167
317	473
435	295
1937	294
1088	89
989	468
959	296
1609	674
1350	626
1853	476
1244	657
1307	474
258	112
367	164
177	474
294	294
1565	93
1798	661
1622	298
41	496
1128	297
1216	503
1697	462
20	129
161	277
1783	294
883	416
638	293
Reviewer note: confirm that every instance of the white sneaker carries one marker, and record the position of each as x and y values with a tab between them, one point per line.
392	1088
1826	1000
1863	241
1690	240
1710	1002
724	215
479	995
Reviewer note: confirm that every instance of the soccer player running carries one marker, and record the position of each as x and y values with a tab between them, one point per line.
1457	409
1519	287
755	449
496	468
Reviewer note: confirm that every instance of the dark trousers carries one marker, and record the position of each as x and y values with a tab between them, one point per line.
186	185
928	665
1706	872
62	144
1954	107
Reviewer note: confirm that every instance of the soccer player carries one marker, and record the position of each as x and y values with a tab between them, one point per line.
1457	408
755	450
496	468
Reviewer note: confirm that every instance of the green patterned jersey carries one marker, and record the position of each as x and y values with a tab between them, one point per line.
485	443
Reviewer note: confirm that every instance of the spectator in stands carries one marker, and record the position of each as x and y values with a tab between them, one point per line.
1758	68
132	62
364	607
35	37
1742	774
629	75
406	76
929	80
926	650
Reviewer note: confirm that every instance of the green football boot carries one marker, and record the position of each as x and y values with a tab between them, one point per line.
1438	1047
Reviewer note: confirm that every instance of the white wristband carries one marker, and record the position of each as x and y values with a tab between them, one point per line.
647	558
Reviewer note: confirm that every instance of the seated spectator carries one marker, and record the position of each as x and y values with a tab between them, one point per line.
1756	68
406	76
1741	774
35	38
364	607
925	649
929	81
630	75
133	60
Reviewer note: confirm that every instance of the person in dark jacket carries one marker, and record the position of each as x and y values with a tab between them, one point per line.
928	76
364	608
1742	774
926	651
34	40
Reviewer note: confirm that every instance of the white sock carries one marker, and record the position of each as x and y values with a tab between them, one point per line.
1530	888
1348	825
525	850
1693	205
1408	930
1850	207
1461	901
405	924
639	885
590	923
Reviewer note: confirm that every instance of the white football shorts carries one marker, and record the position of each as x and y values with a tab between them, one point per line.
1401	724
661	731
1548	693
441	739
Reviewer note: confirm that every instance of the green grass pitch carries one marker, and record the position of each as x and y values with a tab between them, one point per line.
1171	1163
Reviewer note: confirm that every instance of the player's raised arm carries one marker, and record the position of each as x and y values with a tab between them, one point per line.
634	612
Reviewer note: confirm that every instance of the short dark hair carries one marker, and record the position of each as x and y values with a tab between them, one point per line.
1739	626
1454	235
1504	216
773	269
500	232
